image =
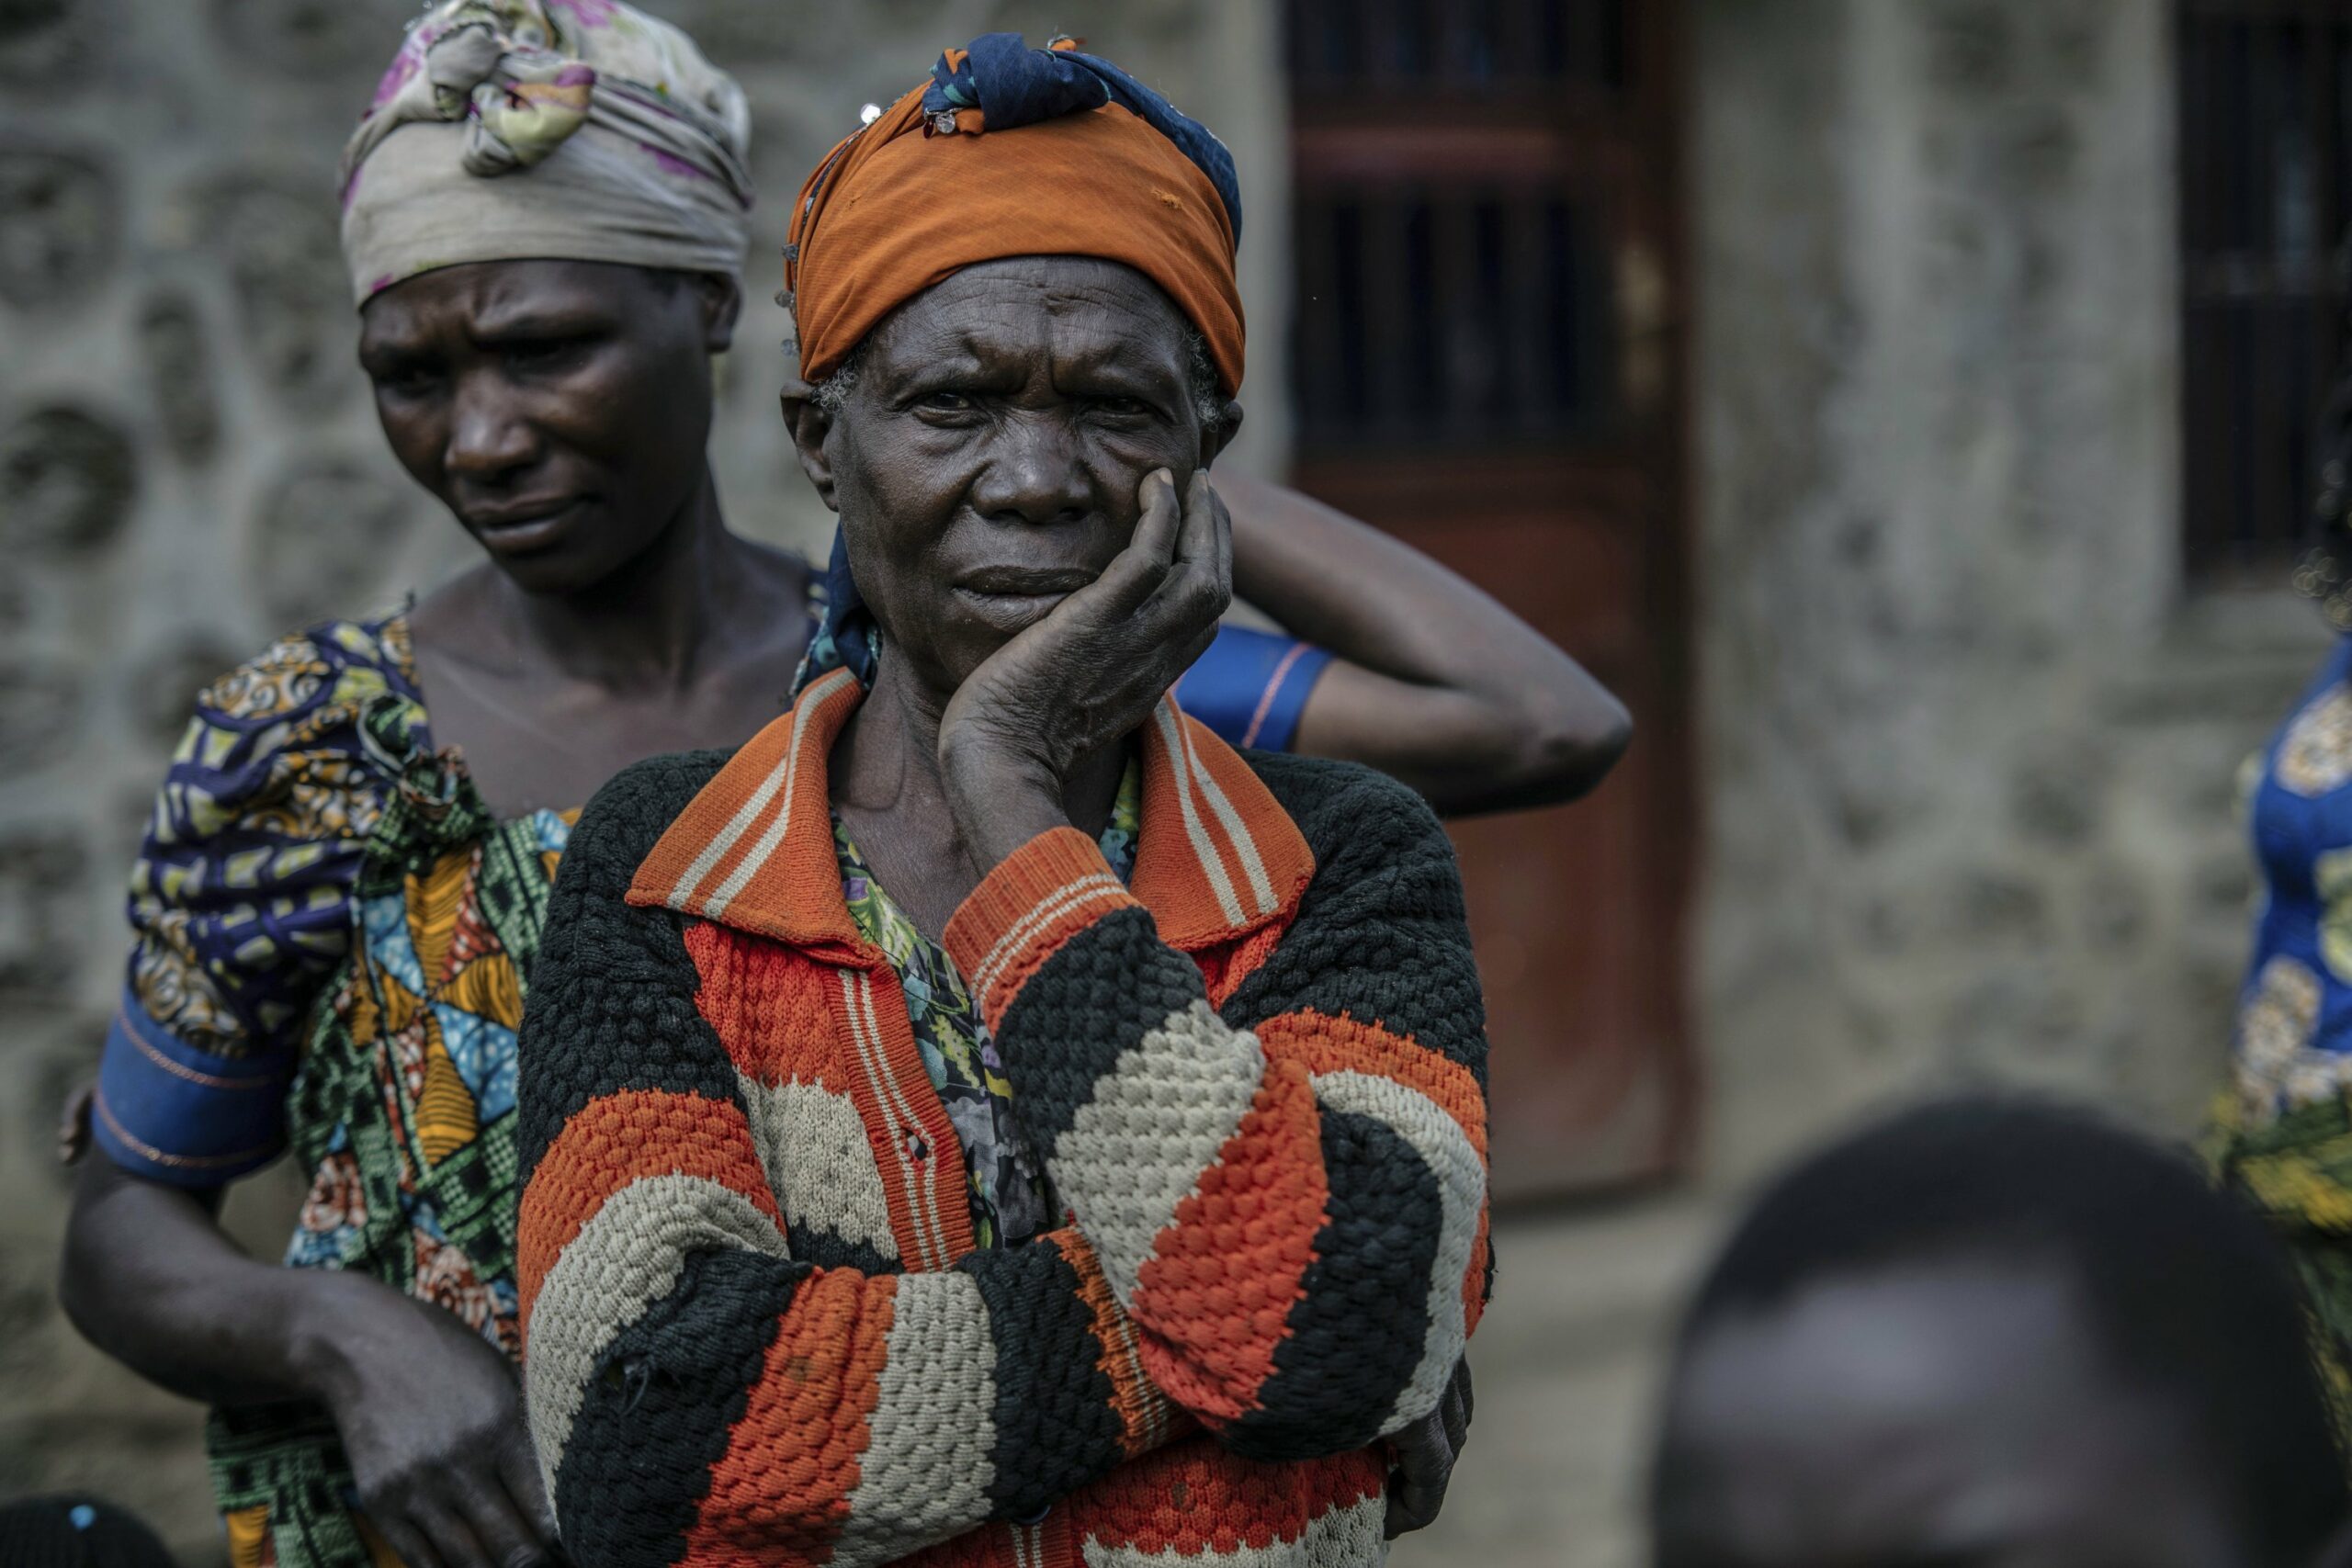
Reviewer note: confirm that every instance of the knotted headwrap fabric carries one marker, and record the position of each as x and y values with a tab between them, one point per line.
1007	151
574	130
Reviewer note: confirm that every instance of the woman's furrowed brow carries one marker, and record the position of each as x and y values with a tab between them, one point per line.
1116	361
538	319
930	365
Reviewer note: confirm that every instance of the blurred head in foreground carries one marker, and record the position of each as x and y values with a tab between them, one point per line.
69	1530
1989	1332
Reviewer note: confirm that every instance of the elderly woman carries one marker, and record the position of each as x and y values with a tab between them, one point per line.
1215	1225
339	903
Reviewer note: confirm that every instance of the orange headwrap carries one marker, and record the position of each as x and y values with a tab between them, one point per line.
906	202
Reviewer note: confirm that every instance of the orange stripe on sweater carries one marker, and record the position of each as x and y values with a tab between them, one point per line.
1223	968
1055	924
1214	1299
769	1005
621	1138
659	874
781	1492
1194	1496
1322	1043
1143	1410
1026	907
915	1146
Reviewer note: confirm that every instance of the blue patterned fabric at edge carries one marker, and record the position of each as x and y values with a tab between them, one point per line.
2295	1043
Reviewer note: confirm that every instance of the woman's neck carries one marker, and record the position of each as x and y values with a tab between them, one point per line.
886	767
647	624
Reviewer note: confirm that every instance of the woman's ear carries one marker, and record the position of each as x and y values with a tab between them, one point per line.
809	422
1215	438
722	306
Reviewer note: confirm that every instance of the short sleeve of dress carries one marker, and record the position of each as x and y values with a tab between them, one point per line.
1250	686
240	900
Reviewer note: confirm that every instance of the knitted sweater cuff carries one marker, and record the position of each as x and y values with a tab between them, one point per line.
1040	895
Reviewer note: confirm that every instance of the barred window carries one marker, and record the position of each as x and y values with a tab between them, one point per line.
2264	124
1456	285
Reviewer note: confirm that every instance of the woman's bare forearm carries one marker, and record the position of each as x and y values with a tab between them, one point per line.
149	1278
1436	684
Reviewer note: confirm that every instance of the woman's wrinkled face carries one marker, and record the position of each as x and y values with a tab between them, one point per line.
560	409
985	460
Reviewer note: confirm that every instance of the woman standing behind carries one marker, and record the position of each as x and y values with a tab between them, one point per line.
340	894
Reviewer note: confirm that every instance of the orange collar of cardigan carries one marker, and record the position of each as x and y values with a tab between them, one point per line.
1217	857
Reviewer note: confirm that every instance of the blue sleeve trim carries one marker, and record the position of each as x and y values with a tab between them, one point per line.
171	1114
1251	686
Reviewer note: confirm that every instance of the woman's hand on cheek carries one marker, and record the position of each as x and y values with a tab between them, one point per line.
1088	673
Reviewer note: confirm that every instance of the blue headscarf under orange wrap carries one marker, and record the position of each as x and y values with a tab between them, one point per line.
991	159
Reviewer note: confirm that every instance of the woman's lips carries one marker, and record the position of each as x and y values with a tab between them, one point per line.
1010	612
1013	598
523	530
1025	581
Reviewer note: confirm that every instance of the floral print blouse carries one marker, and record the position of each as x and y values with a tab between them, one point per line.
1011	1198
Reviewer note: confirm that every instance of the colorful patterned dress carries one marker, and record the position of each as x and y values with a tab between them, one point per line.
2284	1137
333	937
332	933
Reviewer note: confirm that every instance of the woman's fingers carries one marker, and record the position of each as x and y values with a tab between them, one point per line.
1161	521
519	1467
1135	572
1224	538
502	1523
1199	584
1204	540
1424	1470
1091	668
452	1534
1455	1414
73	1125
408	1543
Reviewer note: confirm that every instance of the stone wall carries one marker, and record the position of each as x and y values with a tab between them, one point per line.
1969	740
188	464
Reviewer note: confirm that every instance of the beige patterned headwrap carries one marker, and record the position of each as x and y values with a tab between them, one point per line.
579	129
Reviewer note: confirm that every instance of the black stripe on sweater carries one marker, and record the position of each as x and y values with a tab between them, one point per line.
1381	935
611	993
824	1248
1357	1334
661	1406
1055	1427
1085	1007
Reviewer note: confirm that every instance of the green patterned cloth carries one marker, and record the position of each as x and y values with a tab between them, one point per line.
1011	1199
2296	1170
405	1110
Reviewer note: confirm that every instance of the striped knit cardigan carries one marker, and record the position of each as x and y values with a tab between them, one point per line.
757	1330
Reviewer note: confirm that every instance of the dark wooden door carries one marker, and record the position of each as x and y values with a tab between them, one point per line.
1488	354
